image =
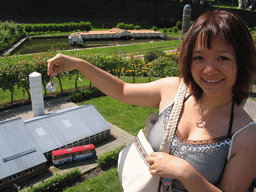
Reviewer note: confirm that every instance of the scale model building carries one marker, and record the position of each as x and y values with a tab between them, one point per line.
26	146
114	33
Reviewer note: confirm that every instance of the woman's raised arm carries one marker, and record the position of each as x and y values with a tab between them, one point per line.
146	94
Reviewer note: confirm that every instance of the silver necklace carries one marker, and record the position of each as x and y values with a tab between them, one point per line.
200	122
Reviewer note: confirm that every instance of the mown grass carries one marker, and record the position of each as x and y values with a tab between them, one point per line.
128	117
128	49
107	182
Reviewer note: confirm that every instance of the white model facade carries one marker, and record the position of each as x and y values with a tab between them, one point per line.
114	33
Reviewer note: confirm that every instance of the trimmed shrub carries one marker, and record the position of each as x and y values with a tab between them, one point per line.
109	158
28	28
154	28
163	67
152	55
131	27
120	25
85	26
85	95
179	25
137	27
57	182
175	29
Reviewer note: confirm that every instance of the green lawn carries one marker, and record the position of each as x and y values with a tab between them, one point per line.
107	182
137	49
128	117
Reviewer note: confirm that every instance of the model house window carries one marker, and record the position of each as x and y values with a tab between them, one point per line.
14	177
1	182
75	144
81	142
31	170
86	141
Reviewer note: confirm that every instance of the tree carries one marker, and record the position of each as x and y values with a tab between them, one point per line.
134	66
34	28
85	26
154	28
137	27
126	26
120	25
28	28
66	27
131	26
45	28
25	68
179	25
9	75
50	27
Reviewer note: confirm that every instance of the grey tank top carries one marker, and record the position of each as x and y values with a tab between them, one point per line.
208	157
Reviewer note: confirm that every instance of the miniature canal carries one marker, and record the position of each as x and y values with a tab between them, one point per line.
39	45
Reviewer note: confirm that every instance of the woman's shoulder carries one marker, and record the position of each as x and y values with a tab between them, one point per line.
241	119
169	83
169	87
244	131
172	81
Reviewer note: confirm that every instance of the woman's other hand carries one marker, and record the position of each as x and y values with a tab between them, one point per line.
165	165
61	63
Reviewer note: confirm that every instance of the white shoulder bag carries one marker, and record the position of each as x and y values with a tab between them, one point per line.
133	169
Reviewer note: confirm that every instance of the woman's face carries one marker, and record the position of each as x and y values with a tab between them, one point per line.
215	69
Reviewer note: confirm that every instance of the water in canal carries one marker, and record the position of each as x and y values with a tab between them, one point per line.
38	45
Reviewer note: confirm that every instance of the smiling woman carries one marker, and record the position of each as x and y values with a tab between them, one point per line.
215	69
227	28
214	134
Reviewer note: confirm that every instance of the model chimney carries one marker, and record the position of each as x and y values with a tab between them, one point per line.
36	92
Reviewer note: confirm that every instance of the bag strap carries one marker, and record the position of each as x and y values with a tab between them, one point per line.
174	117
151	120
